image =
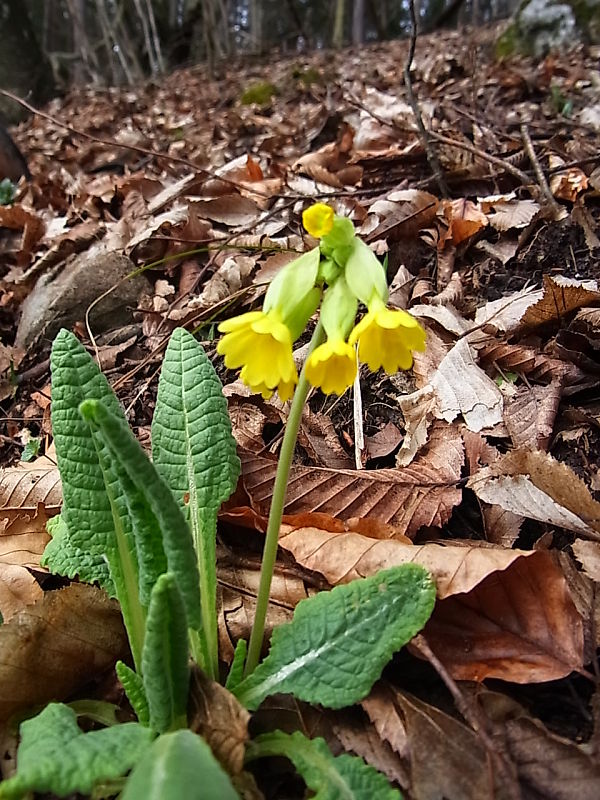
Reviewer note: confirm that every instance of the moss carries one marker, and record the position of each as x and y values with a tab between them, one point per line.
259	93
307	76
507	42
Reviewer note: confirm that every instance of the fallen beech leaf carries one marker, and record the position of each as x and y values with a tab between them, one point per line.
422	494
560	297
501	527
18	588
230	209
444	757
529	416
461	387
588	555
360	737
418	410
23	536
215	714
548	766
24	487
464	220
506	313
501	613
536	486
53	648
506	211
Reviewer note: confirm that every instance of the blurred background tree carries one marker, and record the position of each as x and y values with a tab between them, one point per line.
49	45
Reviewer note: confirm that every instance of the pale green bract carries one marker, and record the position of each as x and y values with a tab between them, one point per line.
56	756
338	642
343	777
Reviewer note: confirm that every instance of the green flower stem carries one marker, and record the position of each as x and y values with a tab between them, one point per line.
276	512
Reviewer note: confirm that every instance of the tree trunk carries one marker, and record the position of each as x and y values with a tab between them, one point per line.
358	22
338	25
23	68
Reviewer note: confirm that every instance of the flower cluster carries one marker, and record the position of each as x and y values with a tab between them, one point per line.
339	274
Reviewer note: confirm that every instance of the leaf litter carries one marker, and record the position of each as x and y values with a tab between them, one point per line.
482	463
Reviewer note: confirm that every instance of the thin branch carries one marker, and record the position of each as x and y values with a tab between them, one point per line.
432	156
541	178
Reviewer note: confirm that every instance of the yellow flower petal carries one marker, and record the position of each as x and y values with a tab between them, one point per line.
262	345
332	366
386	338
318	219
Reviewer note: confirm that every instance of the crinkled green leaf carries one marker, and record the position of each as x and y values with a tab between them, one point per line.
63	557
338	642
331	778
94	507
134	689
195	453
151	504
165	657
179	765
56	756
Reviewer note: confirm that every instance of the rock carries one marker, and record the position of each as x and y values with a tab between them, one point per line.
539	26
61	297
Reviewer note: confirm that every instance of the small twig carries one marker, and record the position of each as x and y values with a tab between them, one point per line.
430	152
472	714
539	174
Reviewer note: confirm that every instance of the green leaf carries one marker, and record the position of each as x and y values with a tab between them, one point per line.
134	689
177	765
94	509
56	756
338	642
331	778
31	449
236	671
152	506
165	657
195	453
63	557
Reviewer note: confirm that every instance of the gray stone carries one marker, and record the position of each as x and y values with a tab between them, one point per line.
61	297
547	26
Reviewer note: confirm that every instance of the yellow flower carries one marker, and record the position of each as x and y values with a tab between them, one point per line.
284	389
332	366
262	344
386	337
318	219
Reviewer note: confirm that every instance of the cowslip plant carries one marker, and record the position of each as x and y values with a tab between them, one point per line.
146	531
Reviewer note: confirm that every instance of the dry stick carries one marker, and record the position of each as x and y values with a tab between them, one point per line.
432	157
472	715
541	178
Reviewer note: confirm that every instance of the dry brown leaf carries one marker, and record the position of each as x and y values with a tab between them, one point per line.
53	648
384	442
508	357
215	714
560	297
445	315
23	536
567	184
418	410
464	220
505	212
422	494
18	588
461	387
320	439
506	313
231	209
536	486
445	758
519	625
501	613
404	213
588	555
548	766
359	736
501	527
25	486
530	414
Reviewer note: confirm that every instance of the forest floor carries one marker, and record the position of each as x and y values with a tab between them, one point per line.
481	463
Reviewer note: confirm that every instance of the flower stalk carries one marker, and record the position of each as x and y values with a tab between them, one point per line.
288	446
